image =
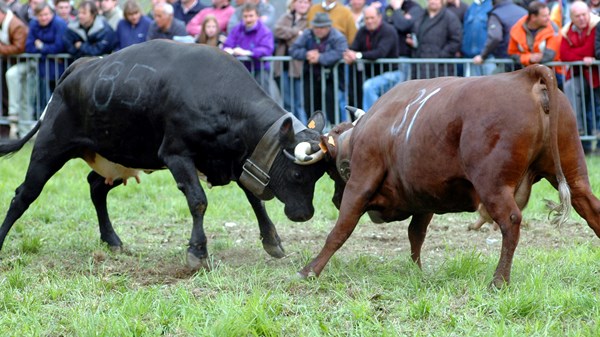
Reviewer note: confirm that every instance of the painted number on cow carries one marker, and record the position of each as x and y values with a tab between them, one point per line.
420	101
130	89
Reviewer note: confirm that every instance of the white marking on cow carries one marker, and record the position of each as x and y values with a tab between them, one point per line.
46	109
418	110
396	128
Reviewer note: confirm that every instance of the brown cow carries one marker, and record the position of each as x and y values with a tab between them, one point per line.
449	144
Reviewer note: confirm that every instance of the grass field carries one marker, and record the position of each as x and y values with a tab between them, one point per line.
58	279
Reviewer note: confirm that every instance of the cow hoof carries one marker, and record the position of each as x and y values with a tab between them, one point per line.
195	263
116	249
498	284
275	251
309	276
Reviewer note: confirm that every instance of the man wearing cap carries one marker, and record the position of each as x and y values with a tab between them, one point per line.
340	16
321	47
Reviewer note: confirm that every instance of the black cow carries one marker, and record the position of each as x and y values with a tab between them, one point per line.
191	109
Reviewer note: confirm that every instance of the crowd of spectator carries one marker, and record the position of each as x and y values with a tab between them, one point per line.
317	34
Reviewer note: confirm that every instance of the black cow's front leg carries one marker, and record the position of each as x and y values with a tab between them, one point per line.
186	177
98	192
268	233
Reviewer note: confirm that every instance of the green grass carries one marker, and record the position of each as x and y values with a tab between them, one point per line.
58	279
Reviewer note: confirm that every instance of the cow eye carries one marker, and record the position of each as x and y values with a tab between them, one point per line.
296	175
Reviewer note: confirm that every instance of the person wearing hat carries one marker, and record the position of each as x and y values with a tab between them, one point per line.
340	16
320	47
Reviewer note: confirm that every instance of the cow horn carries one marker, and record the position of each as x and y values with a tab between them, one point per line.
357	112
303	154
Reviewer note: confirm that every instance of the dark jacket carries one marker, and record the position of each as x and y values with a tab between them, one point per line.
127	34
331	49
403	20
179	13
52	37
437	37
380	43
177	28
507	14
98	40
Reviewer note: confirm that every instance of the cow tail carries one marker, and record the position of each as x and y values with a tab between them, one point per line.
562	210
11	146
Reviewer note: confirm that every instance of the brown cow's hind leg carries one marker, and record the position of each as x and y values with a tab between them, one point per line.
507	214
417	229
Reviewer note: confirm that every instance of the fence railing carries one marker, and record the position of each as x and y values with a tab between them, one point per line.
302	89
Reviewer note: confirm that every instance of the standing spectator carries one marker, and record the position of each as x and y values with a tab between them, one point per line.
594	7
321	47
134	27
64	10
252	38
501	19
287	29
14	6
340	16
13	34
90	35
379	4
580	42
221	10
165	25
26	12
534	38
210	34
111	12
475	34
45	38
402	15
266	12
436	34
357	7
458	7
185	10
376	39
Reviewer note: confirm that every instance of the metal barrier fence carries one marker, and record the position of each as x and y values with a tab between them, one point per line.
30	80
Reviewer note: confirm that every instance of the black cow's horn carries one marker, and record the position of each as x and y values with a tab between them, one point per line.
303	154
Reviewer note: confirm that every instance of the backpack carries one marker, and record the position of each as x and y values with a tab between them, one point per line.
475	27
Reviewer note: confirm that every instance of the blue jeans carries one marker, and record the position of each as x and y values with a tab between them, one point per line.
292	96
376	86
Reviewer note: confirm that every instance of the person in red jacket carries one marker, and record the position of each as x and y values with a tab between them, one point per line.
583	82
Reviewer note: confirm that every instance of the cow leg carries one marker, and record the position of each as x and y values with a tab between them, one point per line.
417	229
185	175
268	233
504	210
41	168
98	192
588	206
353	205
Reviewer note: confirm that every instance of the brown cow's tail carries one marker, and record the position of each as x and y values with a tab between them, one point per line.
561	210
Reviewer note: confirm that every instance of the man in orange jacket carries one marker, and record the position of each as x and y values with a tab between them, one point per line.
534	38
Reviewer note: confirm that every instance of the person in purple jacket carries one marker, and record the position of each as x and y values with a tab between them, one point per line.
133	28
252	38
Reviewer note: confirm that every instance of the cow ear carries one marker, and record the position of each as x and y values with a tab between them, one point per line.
286	132
316	121
328	145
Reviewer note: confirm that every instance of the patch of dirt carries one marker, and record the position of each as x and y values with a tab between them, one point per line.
445	234
162	259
